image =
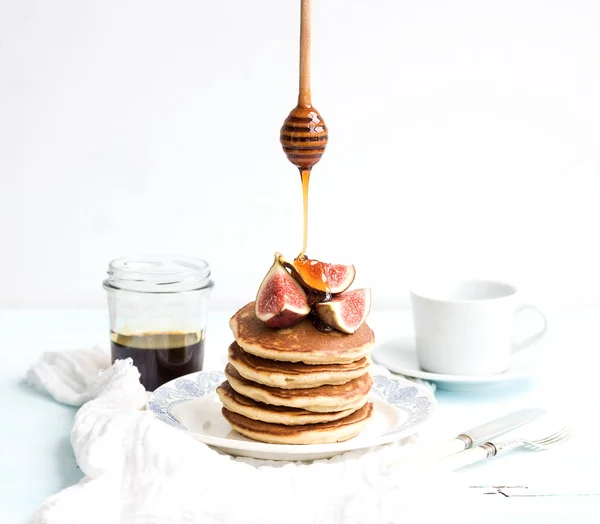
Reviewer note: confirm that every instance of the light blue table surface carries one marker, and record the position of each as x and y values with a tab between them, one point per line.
562	485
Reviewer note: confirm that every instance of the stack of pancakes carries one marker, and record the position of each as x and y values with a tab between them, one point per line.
296	385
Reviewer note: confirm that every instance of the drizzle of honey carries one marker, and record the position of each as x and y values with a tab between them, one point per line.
305	177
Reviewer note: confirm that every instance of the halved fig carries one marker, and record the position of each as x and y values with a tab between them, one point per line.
321	276
280	301
346	312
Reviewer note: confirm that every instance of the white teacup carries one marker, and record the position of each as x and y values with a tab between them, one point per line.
466	327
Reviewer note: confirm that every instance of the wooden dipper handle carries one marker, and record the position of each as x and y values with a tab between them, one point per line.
304	87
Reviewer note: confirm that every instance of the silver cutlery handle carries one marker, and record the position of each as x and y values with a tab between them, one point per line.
478	453
451	447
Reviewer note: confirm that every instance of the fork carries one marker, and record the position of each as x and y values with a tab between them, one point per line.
491	449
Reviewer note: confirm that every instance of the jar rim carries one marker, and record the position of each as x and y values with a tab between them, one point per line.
158	273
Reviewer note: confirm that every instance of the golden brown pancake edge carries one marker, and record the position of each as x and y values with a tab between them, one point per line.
323	398
293	375
326	432
300	343
249	408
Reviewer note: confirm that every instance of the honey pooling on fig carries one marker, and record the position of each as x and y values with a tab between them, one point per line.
321	276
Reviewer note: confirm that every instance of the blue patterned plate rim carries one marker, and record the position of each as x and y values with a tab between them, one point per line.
416	402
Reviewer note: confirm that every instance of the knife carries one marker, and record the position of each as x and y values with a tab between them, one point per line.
482	433
542	439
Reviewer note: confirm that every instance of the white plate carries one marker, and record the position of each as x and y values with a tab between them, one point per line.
190	404
399	356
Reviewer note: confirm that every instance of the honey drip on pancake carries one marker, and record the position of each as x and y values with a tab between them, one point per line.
318	323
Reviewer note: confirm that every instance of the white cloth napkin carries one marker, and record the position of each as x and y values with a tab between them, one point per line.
141	471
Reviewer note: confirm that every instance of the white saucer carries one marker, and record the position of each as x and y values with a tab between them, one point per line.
399	356
190	404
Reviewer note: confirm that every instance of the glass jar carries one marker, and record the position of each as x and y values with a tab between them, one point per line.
158	308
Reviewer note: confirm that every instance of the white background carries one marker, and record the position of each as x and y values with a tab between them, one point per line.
464	139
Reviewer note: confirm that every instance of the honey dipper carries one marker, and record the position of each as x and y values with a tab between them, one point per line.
304	134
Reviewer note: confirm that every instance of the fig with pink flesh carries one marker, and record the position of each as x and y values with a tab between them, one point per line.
321	276
281	302
346	312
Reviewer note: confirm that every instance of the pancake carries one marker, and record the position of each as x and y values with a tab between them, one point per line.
300	343
249	408
326	432
293	375
323	399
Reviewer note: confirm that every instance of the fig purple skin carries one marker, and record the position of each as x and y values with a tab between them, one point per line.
280	302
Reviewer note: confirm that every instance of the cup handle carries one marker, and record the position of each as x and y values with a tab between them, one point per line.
532	339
